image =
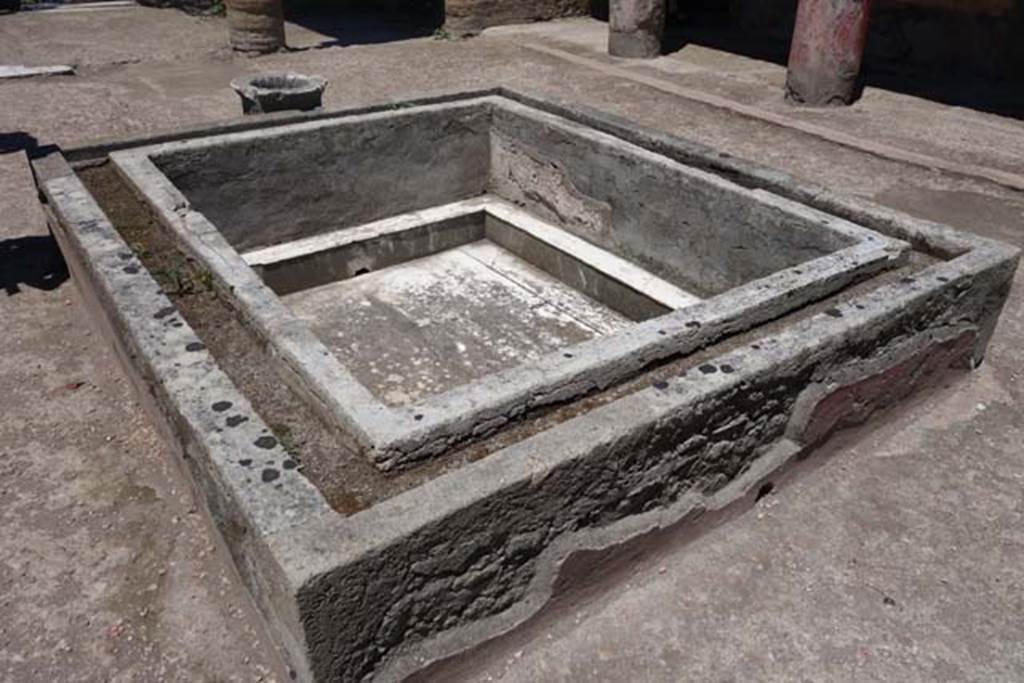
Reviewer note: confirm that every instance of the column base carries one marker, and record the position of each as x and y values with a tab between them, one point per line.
634	44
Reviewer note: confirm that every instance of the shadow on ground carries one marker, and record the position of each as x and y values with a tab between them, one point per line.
18	141
359	23
33	261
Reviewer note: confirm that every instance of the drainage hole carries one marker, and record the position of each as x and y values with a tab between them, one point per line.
360	271
765	490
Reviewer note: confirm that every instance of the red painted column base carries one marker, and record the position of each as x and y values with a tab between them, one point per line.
827	50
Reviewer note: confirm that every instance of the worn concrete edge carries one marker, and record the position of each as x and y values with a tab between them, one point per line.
926	236
567	119
615	268
661	292
402	435
450	104
813	336
300	354
688	508
185	393
1006	179
976	284
602	362
342	237
97	151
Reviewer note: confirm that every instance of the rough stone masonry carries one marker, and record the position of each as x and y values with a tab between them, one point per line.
700	418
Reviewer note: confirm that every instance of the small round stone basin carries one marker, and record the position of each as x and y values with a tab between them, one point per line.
279	91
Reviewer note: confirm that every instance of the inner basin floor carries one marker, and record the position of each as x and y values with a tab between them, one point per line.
437	322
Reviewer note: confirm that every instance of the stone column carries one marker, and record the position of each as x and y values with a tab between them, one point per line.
826	53
256	25
635	28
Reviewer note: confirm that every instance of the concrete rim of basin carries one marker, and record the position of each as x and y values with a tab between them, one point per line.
279	91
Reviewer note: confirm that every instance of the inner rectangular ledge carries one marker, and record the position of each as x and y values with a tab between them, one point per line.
427	275
456	293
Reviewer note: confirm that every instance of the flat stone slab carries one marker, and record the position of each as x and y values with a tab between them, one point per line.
21	71
718	397
441	321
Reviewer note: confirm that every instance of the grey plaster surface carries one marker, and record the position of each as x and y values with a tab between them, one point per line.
764	255
272	186
920	508
437	322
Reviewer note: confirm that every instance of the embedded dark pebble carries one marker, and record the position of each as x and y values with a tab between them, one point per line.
661	385
236	420
177	323
834	312
266	442
289	464
131	270
906	280
221	406
245	462
567	355
417	417
164	312
726	368
662	332
708	369
269	474
942	278
195	346
693	323
756	347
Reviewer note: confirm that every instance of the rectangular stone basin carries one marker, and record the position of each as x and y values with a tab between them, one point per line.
540	332
429	275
